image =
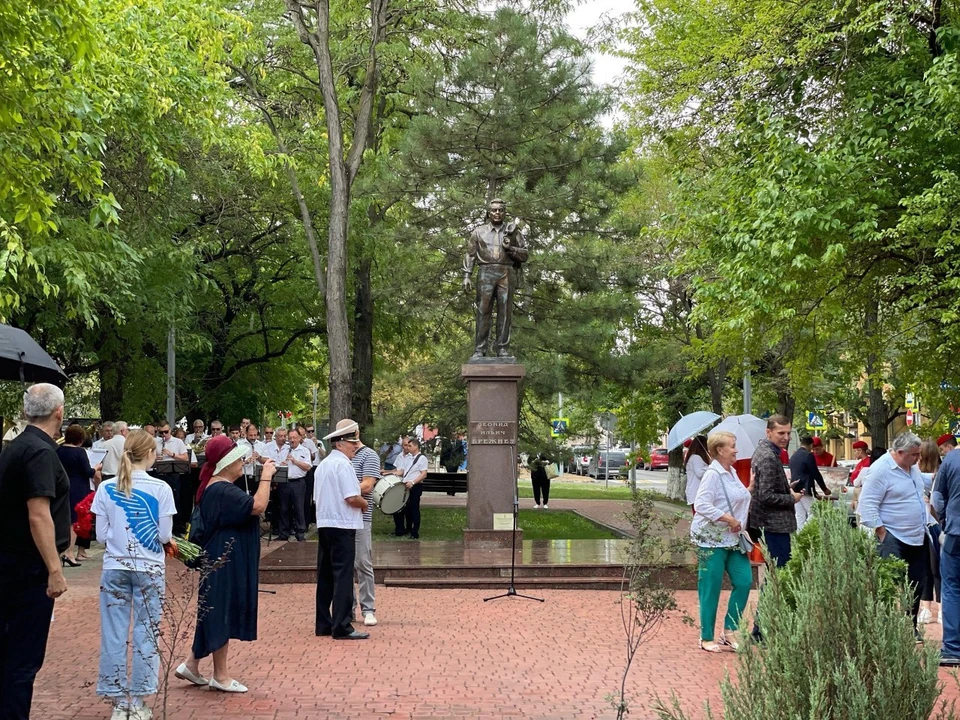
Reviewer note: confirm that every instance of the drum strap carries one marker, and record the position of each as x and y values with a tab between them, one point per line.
417	457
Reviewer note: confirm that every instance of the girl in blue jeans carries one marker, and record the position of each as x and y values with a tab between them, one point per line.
134	519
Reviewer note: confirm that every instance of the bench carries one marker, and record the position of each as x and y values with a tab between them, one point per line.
446	482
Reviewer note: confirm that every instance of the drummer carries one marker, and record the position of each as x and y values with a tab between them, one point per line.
412	467
366	463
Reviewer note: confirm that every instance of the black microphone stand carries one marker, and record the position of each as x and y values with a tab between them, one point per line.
511	590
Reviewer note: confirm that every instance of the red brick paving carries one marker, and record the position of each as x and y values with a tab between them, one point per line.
435	654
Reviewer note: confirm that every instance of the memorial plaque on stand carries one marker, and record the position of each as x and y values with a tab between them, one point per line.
492	432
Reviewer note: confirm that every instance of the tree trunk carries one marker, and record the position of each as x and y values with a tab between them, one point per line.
877	415
343	171
786	404
111	390
676	479
717	378
363	345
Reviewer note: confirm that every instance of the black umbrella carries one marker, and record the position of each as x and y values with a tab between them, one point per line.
22	359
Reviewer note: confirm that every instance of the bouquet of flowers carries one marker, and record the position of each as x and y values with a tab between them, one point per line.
84	527
183	550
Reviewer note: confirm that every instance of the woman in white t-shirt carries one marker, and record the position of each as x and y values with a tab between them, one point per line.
696	463
134	520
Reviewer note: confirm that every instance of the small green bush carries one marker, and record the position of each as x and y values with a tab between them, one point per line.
838	640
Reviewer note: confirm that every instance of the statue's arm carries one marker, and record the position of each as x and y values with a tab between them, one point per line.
519	250
470	258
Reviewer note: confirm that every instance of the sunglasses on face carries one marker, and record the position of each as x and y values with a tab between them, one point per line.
165	432
310	432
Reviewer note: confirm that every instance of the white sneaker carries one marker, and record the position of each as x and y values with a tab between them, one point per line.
924	616
369	620
141	712
119	713
536	507
546	507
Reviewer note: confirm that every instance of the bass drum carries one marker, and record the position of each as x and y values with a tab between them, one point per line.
390	494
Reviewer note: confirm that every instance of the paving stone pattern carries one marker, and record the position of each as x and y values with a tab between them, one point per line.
435	654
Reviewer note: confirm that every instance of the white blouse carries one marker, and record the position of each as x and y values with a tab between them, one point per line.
711	503
696	467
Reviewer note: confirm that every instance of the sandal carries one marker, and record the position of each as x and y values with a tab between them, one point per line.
732	642
710	646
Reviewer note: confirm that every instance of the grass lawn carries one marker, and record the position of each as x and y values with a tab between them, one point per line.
448	524
580	491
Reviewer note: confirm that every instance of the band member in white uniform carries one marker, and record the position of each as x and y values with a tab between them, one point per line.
290	493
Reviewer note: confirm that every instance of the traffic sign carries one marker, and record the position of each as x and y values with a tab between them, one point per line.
559	426
955	428
910	401
909	418
816	420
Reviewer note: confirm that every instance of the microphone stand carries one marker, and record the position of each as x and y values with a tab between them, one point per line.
511	590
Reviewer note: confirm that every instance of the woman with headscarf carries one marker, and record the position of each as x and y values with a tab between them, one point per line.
227	601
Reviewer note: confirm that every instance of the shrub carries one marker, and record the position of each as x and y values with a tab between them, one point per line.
839	642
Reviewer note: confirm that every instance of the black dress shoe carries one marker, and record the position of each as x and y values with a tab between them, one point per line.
352	636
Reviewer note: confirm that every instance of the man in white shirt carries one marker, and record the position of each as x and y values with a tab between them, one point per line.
277	450
254	449
216	428
170	447
198	433
114	448
340	508
106	432
290	493
412	467
316	455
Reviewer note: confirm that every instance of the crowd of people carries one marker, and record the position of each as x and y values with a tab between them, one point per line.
907	498
41	482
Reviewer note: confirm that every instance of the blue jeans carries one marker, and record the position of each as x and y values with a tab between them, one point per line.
950	594
129	597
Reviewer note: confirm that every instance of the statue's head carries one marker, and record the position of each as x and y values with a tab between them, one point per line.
496	211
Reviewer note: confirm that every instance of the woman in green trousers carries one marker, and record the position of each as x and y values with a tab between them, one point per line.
722	505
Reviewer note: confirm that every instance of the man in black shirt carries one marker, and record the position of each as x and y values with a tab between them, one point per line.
34	495
804	476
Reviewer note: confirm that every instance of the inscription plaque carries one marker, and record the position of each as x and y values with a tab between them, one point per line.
492	432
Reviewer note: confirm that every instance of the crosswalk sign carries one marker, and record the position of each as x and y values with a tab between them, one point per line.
559	426
816	421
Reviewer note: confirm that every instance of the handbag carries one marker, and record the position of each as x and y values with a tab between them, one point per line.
551	471
744	543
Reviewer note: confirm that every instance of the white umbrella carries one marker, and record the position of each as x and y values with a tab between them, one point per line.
749	429
688	426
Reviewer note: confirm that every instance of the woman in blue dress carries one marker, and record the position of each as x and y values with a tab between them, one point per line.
227	600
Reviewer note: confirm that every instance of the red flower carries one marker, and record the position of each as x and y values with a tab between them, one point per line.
84	525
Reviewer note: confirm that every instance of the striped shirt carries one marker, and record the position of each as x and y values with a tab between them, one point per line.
366	463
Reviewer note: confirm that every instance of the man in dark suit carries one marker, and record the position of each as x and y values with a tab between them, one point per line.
805	475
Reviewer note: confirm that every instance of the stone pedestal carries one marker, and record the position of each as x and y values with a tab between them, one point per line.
492	414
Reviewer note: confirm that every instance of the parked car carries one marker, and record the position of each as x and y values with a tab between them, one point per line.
659	459
607	462
580	462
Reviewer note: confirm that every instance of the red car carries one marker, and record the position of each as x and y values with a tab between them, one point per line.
659	459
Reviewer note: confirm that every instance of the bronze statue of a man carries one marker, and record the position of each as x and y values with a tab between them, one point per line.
497	250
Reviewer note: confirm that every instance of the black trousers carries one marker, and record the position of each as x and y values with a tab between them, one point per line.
336	551
412	510
25	612
309	513
541	487
290	497
917	558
